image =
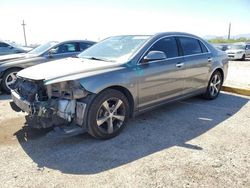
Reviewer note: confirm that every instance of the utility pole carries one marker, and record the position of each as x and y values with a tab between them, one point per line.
229	31
23	24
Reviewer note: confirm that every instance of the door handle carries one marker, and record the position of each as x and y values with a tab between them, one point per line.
209	59
179	65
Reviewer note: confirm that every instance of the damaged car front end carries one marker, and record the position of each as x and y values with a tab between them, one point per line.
51	105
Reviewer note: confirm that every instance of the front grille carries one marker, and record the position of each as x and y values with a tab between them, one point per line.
31	90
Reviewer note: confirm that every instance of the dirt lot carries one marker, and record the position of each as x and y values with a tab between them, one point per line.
192	143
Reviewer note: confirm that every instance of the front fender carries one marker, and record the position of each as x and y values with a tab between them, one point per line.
98	83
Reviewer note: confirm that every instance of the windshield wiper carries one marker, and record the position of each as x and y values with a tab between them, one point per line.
99	59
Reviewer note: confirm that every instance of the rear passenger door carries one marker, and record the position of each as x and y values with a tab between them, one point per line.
197	62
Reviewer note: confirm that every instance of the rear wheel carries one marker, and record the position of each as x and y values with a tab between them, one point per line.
108	114
214	86
9	78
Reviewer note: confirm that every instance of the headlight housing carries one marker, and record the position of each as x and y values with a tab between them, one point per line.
239	52
67	90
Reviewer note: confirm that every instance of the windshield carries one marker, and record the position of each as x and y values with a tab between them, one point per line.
42	48
237	47
119	48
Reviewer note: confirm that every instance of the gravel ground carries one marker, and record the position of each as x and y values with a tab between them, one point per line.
193	143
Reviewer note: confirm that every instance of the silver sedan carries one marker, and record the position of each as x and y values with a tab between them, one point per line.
118	78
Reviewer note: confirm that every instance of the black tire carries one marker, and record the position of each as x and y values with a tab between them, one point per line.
103	107
243	57
6	76
215	81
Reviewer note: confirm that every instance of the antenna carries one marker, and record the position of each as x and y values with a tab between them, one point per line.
23	24
229	31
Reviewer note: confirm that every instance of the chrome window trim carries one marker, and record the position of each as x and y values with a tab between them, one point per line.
208	50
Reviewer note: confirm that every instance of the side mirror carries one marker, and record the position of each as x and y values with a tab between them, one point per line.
10	47
51	52
154	55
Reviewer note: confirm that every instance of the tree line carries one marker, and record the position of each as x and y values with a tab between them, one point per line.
222	40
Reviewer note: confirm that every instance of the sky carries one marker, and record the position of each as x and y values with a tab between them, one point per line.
95	20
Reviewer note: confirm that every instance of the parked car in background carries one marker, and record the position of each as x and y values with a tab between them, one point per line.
12	48
222	47
118	78
12	56
239	51
44	53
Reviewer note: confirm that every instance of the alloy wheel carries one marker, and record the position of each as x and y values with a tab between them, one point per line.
10	79
215	85
111	115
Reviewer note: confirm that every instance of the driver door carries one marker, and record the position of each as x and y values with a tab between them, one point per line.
161	79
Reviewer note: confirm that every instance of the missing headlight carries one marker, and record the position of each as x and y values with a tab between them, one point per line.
67	90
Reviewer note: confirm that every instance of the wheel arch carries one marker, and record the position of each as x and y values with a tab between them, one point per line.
221	72
10	68
220	69
127	94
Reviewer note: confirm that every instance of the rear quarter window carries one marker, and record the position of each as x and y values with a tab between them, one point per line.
190	46
204	48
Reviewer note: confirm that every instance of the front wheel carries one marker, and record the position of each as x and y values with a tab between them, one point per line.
214	86
108	114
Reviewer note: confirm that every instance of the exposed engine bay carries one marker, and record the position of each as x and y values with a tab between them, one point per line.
53	104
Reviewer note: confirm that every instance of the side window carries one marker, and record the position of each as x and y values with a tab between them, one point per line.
65	48
190	46
204	48
84	46
4	45
167	45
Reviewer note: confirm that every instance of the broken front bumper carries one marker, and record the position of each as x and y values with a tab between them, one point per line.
69	110
21	103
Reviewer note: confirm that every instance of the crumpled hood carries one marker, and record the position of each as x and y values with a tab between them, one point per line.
14	57
234	51
64	68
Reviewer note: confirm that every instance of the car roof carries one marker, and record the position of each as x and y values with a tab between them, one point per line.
86	41
162	34
175	33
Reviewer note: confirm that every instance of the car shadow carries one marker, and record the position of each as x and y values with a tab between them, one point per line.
172	125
